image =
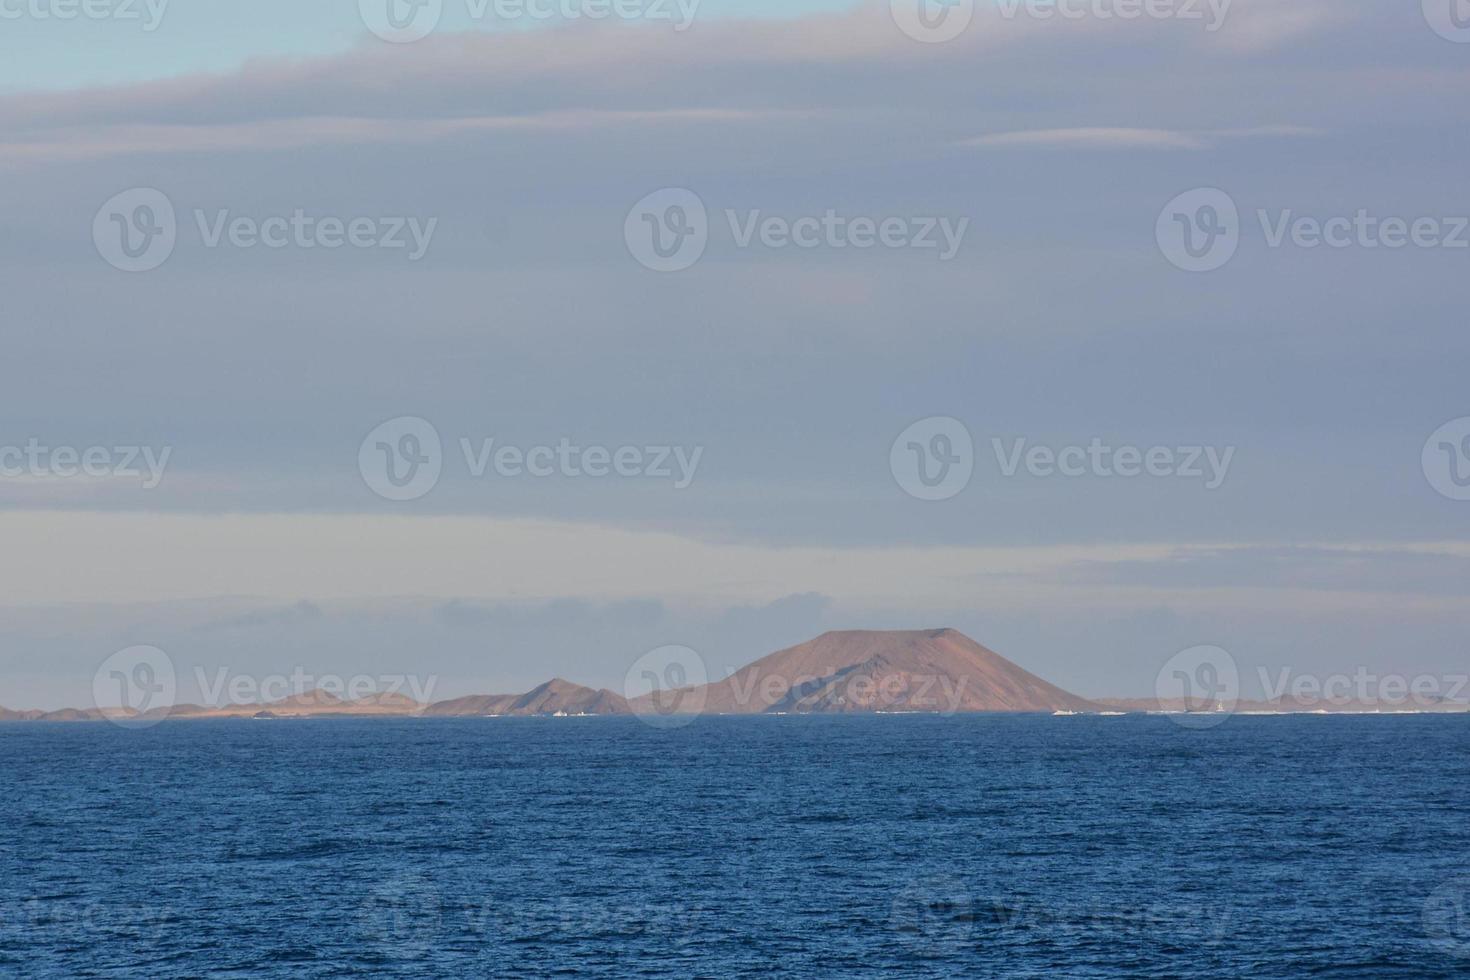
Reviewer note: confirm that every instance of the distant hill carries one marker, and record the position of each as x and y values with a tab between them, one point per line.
552	698
870	670
7	715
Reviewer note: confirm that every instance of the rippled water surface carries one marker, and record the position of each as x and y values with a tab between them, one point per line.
917	846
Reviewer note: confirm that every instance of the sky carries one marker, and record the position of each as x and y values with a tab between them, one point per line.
1098	242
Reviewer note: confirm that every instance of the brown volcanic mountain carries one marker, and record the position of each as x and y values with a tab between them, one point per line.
552	698
866	670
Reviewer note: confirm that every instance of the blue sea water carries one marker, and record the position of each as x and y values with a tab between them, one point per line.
915	846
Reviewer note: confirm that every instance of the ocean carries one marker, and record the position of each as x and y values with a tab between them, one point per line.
921	846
